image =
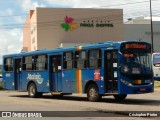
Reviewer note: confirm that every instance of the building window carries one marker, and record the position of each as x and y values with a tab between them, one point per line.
33	30
95	60
33	40
8	64
80	59
68	60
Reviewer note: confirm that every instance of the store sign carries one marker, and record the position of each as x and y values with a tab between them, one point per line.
101	24
70	24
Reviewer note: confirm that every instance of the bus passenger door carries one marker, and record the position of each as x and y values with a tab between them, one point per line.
110	71
17	73
55	73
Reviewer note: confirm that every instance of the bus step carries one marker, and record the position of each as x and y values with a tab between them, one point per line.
56	93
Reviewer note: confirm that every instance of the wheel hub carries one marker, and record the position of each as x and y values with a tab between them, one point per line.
32	90
92	92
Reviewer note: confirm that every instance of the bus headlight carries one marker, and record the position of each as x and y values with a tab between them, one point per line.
125	69
126	82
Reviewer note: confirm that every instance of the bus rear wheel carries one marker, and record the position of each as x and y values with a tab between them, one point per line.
93	94
32	91
120	97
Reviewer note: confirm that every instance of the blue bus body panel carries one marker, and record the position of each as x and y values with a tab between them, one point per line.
88	75
68	81
124	89
40	78
8	80
134	89
57	82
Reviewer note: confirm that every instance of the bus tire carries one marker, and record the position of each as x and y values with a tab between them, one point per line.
120	97
93	93
32	91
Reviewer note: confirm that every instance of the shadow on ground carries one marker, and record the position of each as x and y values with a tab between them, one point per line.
103	100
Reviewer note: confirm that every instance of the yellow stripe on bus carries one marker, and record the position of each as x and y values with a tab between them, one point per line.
79	81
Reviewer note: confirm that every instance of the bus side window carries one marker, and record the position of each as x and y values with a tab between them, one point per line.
28	63
95	60
80	59
8	64
68	60
41	62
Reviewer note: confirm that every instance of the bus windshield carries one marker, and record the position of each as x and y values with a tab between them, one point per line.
136	64
156	60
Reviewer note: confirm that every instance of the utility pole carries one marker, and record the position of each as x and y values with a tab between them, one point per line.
152	49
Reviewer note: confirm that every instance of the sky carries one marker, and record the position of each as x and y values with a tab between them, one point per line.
13	15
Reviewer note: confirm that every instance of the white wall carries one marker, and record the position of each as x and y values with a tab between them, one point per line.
142	32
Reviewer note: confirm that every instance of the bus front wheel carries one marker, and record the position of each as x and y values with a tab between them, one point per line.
92	93
32	91
120	97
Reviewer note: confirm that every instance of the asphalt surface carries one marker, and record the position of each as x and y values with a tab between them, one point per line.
77	105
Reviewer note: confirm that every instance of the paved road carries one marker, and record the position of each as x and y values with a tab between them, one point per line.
19	101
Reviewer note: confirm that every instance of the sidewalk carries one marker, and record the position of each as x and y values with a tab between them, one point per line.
157	89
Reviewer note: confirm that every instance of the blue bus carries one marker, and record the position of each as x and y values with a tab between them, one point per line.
111	68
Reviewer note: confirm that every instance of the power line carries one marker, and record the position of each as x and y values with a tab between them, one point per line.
128	3
84	8
14	25
59	22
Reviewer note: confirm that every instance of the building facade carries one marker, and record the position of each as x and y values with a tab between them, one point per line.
140	29
48	28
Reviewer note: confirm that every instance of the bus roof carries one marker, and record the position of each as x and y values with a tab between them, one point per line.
73	48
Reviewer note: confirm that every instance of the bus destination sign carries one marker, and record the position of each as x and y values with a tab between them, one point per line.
135	46
129	47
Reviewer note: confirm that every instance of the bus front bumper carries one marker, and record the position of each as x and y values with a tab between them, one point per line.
136	89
